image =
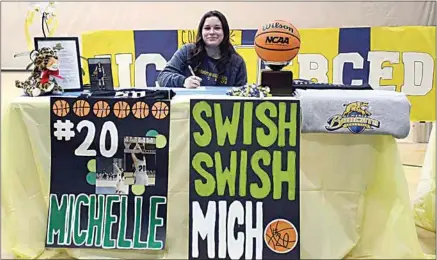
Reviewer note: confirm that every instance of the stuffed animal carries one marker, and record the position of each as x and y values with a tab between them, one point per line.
43	78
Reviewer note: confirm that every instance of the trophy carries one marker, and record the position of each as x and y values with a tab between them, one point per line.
279	81
277	43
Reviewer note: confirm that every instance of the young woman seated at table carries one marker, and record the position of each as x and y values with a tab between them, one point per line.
211	61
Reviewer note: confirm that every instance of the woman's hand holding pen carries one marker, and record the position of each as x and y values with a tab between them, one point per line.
192	81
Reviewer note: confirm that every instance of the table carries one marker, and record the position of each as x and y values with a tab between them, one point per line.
354	194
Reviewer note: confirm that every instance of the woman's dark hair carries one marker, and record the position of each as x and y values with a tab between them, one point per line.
198	53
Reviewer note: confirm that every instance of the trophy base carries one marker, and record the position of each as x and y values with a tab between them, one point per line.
279	82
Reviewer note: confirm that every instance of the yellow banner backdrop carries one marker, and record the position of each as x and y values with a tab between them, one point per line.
389	58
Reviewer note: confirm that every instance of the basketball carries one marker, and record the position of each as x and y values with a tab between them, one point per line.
140	110
101	109
160	110
121	109
81	108
61	108
280	236
277	41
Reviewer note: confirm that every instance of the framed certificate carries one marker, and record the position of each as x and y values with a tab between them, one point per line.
69	60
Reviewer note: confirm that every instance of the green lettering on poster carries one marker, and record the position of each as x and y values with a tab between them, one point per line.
57	219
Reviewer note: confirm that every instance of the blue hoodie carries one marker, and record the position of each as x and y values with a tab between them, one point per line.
176	71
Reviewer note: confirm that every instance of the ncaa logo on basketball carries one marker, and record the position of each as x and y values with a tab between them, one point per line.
355	117
276	40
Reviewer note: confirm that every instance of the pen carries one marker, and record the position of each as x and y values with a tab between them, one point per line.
191	70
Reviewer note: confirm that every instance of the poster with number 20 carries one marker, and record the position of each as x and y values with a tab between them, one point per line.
109	172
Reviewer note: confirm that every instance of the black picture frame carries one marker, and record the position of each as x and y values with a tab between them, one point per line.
108	81
78	80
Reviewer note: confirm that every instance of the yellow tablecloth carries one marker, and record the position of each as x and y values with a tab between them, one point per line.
424	204
354	195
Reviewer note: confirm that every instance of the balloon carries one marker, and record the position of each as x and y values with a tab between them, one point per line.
45	10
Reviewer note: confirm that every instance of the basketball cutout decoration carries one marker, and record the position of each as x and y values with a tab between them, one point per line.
277	42
280	236
160	110
101	109
61	108
81	108
121	109
140	110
